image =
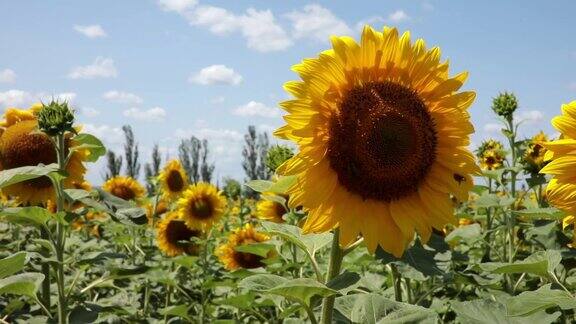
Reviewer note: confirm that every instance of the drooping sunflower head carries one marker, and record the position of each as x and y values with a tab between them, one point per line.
201	206
22	144
561	189
125	188
534	155
174	237
383	137
270	209
173	180
232	259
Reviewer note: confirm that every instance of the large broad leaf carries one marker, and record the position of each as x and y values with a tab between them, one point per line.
343	280
310	243
259	249
16	175
541	213
12	264
260	185
484	311
467	233
77	194
299	290
90	143
24	284
87	313
374	308
530	302
540	263
279	186
178	310
35	216
420	257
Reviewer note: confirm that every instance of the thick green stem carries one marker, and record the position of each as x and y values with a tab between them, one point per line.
511	219
60	235
45	271
397	282
336	256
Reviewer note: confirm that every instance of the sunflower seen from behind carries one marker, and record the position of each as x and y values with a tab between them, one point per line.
22	144
232	259
270	209
174	238
382	135
173	180
561	154
126	188
201	206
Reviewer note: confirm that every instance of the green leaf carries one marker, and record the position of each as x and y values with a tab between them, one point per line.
541	213
16	175
300	290
374	308
84	314
259	249
35	216
24	284
487	200
343	280
77	194
310	243
90	143
260	185
178	310
540	263
484	311
242	301
530	302
282	185
98	257
467	233
12	264
135	215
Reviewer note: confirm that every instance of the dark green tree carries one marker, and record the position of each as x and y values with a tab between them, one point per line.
113	165
131	153
152	169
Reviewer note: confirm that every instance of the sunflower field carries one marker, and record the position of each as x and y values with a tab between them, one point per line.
375	210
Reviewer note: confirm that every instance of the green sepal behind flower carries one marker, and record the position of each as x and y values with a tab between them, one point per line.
56	118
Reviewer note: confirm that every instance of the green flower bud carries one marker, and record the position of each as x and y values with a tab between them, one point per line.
277	155
55	118
505	105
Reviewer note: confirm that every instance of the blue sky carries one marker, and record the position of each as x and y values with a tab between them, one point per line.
175	68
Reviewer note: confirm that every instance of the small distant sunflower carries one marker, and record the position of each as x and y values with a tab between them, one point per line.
534	155
22	144
161	208
232	259
491	160
270	210
173	180
201	206
561	190
382	135
125	188
174	237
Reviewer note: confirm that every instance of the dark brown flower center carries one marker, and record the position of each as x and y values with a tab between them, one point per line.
124	192
383	141
248	260
279	210
21	146
179	235
201	208
174	181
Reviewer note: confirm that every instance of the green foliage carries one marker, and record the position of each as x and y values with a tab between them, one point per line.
55	118
505	104
277	155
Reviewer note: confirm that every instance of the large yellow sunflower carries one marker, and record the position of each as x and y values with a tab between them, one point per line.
22	144
270	210
232	259
173	180
174	237
125	188
382	136
561	190
201	206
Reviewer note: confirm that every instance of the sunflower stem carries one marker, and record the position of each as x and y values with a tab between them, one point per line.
334	264
511	220
60	233
397	282
45	270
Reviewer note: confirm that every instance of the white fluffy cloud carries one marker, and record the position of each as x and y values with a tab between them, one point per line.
398	16
258	27
317	22
90	31
176	5
89	112
254	108
531	117
101	68
210	134
155	114
7	76
122	97
493	128
21	98
216	74
108	134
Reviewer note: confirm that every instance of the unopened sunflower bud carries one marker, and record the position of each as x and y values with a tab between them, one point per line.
55	118
505	105
277	155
